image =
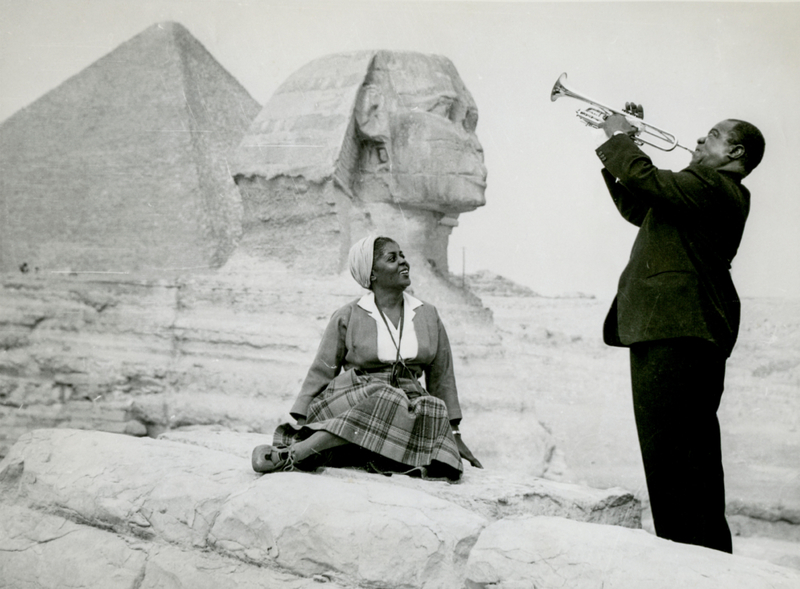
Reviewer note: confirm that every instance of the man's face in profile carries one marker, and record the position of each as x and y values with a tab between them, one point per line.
713	150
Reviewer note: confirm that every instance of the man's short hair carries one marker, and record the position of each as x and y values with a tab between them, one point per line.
749	137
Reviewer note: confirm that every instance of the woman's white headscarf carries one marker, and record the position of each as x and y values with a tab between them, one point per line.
360	259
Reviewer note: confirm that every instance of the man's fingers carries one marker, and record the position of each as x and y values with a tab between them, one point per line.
634	109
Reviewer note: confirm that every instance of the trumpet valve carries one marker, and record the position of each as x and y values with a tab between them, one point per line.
592	116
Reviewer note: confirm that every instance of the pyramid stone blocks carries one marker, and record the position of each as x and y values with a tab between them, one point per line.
123	167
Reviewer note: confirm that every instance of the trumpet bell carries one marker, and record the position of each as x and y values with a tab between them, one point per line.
559	89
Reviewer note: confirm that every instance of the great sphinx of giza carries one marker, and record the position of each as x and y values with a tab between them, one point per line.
370	142
374	142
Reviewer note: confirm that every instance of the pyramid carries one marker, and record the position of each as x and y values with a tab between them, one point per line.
123	167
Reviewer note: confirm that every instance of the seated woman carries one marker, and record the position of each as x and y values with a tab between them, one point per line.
362	402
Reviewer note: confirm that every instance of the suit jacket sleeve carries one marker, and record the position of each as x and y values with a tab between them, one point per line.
327	363
681	192
631	208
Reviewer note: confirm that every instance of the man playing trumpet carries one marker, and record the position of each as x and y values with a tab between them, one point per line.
678	311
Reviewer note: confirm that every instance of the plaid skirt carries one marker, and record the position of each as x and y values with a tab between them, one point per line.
407	428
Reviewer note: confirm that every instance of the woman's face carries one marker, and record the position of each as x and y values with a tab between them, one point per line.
390	268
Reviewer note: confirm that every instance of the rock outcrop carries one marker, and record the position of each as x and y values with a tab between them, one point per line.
48	551
544	552
107	510
228	349
199	501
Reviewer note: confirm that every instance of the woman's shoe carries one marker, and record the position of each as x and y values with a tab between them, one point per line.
267	458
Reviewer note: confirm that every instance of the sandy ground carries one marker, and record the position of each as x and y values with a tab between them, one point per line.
582	394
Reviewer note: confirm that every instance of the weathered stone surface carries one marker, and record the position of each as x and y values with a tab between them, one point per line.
198	498
301	129
546	552
310	524
763	547
237	443
195	490
229	349
498	495
138	486
489	493
123	167
355	143
115	511
44	551
171	568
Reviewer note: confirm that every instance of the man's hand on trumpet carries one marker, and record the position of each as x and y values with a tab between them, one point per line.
616	122
634	109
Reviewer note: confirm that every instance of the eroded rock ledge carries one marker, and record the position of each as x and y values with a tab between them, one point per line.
108	510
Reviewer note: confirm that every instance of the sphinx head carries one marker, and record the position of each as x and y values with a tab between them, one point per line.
415	122
357	143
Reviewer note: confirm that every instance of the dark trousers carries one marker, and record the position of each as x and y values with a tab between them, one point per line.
677	386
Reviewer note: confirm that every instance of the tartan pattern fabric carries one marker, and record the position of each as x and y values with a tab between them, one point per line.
409	428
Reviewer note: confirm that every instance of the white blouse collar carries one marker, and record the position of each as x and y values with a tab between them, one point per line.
388	334
367	302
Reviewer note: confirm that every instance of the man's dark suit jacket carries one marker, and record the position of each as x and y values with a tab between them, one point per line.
677	282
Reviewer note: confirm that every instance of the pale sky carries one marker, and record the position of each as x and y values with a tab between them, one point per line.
548	222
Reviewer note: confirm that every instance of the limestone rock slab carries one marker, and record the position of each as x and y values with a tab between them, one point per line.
138	486
44	551
236	443
497	495
490	493
311	524
169	567
41	551
547	552
195	498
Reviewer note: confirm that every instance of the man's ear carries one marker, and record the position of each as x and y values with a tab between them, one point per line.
736	151
372	120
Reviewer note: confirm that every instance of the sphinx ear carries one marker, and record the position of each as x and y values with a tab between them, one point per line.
372	120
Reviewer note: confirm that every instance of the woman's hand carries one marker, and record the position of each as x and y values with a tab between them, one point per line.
301	420
466	453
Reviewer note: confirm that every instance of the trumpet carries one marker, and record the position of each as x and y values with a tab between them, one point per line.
596	113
